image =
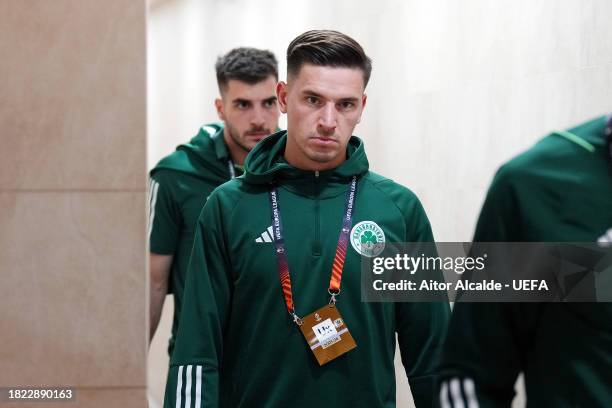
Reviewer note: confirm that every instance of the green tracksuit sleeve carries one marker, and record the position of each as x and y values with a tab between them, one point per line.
164	216
499	219
194	367
481	360
421	326
487	342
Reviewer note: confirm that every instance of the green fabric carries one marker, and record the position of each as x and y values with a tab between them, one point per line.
204	157
235	327
576	139
182	182
555	191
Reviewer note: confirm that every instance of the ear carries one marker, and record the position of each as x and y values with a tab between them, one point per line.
364	99
281	96
219	108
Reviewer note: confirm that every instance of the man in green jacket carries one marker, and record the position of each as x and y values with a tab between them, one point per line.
281	246
558	191
181	182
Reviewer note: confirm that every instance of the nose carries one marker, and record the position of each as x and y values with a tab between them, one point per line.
258	118
328	118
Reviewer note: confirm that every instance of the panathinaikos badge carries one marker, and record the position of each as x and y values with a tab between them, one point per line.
368	238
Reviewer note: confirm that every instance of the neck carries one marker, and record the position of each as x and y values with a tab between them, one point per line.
237	152
296	157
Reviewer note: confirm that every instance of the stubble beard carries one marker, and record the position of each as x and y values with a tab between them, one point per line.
235	136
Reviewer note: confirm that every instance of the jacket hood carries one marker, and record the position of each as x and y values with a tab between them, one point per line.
266	164
205	156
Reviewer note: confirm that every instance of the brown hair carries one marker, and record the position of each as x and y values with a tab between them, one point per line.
327	48
249	65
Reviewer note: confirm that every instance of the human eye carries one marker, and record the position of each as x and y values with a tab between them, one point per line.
312	100
242	105
346	105
270	103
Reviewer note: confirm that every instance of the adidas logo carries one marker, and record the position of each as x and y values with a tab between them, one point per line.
606	238
265	236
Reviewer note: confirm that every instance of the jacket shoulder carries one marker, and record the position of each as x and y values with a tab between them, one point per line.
230	193
174	161
407	204
540	161
198	158
398	193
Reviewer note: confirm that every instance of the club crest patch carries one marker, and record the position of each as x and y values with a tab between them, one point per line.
368	239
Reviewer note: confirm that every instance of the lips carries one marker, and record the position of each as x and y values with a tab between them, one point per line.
323	141
258	135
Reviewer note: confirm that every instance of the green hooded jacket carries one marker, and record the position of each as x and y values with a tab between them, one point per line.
560	190
238	347
178	187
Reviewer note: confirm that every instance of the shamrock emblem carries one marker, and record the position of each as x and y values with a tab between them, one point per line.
368	236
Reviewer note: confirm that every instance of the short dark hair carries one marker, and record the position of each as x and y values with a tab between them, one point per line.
327	48
250	65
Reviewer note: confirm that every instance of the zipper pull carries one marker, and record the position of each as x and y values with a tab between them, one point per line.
317	173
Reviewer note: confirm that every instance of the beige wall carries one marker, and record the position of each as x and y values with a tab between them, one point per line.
72	199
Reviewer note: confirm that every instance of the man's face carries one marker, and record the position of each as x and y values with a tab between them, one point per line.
250	111
323	106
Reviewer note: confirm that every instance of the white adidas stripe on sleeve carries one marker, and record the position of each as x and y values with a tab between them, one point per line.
188	387
183	395
453	389
179	387
153	189
444	402
470	392
198	393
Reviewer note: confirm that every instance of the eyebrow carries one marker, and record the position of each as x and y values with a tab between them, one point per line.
311	93
345	99
241	100
349	99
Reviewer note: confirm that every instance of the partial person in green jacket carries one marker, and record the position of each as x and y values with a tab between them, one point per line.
279	248
180	182
558	191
